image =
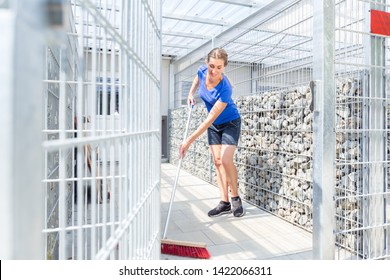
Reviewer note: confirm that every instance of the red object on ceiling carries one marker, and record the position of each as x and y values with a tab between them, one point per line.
380	22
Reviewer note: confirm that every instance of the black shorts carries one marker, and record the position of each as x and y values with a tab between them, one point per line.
225	134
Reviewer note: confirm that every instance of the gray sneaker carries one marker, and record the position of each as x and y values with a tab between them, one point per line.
237	209
222	208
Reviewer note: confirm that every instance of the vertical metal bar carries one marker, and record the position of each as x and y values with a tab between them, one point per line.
79	109
124	207
374	206
323	130
157	203
22	196
46	162
93	99
103	146
123	67
365	158
62	159
114	144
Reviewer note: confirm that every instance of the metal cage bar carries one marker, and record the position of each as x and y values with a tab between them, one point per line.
324	139
21	199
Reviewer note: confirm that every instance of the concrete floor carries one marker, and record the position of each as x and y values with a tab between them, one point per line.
257	235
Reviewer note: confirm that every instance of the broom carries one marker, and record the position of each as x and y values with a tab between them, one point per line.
181	248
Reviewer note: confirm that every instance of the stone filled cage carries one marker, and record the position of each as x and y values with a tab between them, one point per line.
272	62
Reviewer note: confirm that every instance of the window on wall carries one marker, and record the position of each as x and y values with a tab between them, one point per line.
104	99
185	89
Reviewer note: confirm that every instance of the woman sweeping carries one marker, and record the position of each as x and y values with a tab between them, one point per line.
223	124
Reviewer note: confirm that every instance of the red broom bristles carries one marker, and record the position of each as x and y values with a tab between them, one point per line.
184	249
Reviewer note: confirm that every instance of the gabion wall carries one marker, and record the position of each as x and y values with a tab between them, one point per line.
349	170
54	61
198	160
274	159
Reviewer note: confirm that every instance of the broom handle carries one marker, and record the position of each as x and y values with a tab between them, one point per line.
177	177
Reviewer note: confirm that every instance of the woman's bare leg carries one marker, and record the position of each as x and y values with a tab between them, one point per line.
227	153
221	174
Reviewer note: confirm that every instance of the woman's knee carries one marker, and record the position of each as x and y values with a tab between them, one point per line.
217	162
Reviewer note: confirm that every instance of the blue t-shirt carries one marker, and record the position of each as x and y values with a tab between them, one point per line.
222	92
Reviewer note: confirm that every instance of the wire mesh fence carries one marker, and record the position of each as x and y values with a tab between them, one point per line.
362	64
102	132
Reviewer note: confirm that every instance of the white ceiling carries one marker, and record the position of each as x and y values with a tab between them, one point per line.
188	24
